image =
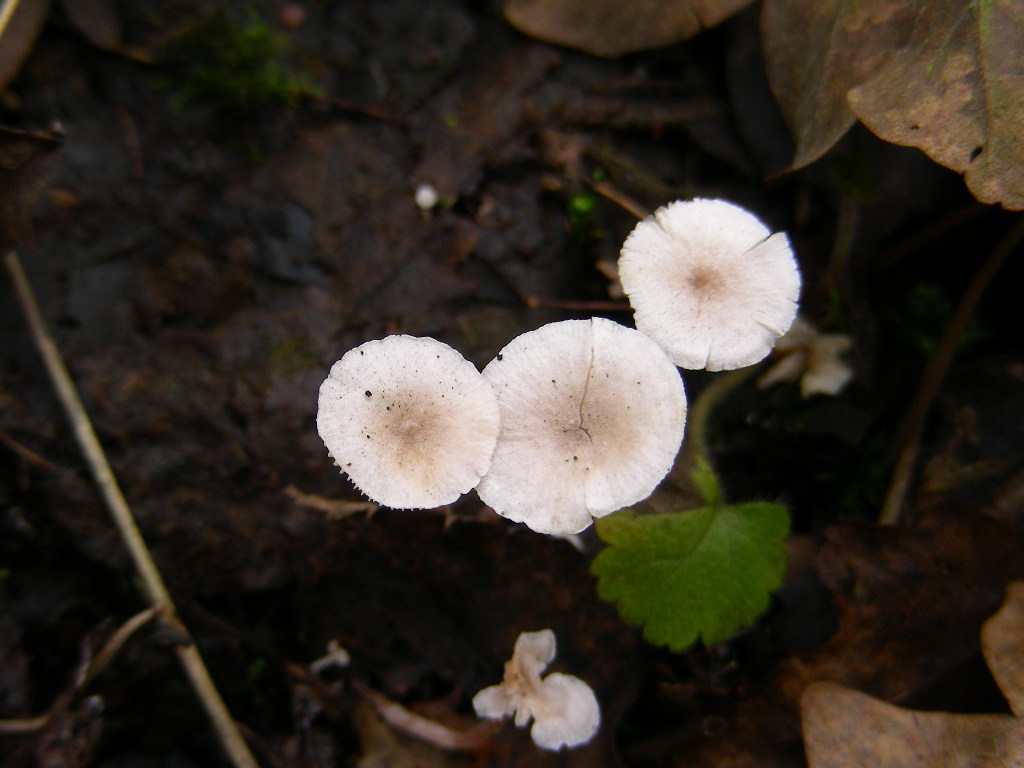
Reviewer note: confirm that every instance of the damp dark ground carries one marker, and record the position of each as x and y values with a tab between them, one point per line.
204	254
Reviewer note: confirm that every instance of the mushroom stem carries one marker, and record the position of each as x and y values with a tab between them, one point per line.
153	585
703	476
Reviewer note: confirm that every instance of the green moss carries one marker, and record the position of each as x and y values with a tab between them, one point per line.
236	68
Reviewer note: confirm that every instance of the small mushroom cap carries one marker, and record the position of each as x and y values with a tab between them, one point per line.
564	709
592	416
409	420
710	283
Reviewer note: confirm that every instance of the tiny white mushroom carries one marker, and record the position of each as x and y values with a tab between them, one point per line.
710	283
592	416
564	709
409	420
426	197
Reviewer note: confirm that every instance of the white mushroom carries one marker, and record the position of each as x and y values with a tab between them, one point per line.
592	416
409	420
710	283
564	709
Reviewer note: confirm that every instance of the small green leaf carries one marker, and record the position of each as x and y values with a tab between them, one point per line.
703	573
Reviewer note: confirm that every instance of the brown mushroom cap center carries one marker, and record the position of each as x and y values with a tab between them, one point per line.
705	280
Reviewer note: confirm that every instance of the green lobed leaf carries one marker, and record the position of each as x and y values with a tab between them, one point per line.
703	573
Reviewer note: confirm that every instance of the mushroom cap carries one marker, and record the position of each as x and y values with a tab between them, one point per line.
564	709
592	416
710	283
409	420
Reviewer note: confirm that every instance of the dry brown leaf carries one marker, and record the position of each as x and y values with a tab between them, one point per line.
1002	643
815	52
956	91
97	20
18	39
945	76
849	729
612	27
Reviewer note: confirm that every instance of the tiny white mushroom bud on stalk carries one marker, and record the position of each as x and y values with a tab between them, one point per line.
592	416
409	420
426	197
564	709
710	283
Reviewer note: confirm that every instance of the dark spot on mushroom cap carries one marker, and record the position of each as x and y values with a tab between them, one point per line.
500	357
368	393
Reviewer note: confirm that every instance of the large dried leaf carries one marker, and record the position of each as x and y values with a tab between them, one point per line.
19	38
956	91
612	27
1002	642
846	728
816	51
97	20
946	77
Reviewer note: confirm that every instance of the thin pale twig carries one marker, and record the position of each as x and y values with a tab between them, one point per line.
624	201
153	585
430	731
25	453
6	12
576	306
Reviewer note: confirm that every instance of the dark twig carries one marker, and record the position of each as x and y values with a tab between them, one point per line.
935	374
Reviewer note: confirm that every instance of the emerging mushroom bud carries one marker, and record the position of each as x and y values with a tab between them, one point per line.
409	420
564	709
710	283
592	416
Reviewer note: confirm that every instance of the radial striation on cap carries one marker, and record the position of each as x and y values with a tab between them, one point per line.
592	416
710	283
409	420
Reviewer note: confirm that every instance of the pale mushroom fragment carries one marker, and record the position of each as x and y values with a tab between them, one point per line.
710	283
409	420
564	709
815	358
592	416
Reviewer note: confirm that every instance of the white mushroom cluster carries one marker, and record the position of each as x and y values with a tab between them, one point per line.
710	283
576	419
564	709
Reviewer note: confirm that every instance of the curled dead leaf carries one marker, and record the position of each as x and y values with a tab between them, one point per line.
19	37
956	91
1002	643
844	727
946	77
